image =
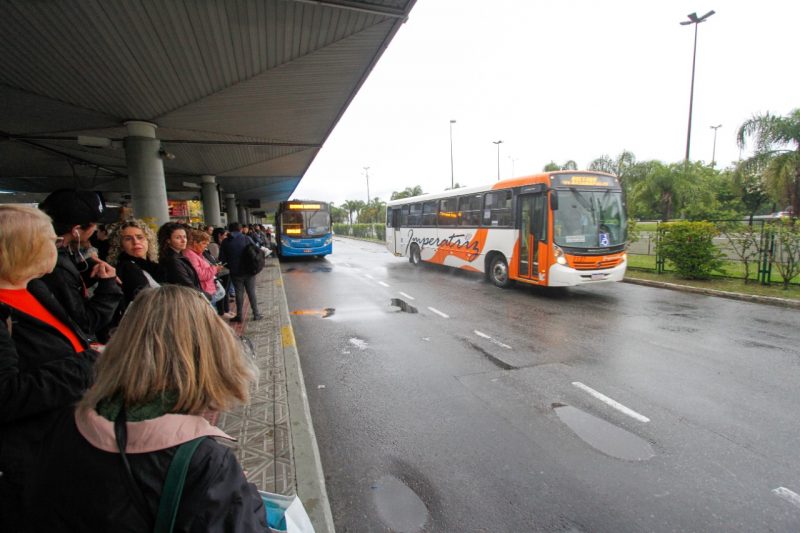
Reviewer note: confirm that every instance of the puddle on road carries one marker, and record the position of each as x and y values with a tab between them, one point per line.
604	436
403	305
398	506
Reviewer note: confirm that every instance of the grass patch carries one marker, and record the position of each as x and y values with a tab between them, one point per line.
720	284
730	269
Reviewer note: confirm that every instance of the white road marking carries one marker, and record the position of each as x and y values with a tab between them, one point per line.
613	403
359	343
408	296
370	277
384	284
495	341
788	495
439	313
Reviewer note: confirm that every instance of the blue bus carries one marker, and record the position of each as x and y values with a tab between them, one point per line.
303	228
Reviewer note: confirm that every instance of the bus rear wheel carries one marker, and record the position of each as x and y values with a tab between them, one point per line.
414	256
498	272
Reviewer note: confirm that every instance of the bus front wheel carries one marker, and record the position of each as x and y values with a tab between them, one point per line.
414	256
498	272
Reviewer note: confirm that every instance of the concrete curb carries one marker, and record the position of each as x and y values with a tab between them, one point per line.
307	463
770	300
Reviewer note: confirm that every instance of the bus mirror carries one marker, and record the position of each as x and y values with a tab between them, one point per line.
554	201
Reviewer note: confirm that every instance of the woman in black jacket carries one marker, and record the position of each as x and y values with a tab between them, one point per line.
156	387
45	363
134	252
173	268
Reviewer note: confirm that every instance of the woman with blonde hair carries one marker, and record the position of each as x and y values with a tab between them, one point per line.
206	272
159	373
45	363
133	250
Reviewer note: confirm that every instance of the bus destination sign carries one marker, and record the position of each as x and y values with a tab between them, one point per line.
583	180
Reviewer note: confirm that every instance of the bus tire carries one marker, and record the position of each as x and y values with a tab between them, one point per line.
498	272
414	255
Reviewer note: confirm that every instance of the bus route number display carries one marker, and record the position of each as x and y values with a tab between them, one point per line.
584	180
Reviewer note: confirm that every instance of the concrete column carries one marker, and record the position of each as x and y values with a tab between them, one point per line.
243	215
230	208
146	173
211	201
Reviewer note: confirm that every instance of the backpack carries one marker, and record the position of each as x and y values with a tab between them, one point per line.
253	260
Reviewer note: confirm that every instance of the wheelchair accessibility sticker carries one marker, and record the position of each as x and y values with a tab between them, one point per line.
604	239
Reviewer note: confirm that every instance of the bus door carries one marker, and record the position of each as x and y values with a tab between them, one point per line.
393	231
532	230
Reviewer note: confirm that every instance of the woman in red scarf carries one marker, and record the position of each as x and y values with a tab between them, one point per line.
45	363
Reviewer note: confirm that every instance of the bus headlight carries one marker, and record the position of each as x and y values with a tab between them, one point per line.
559	253
328	241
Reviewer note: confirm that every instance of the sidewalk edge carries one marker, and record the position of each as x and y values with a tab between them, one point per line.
771	300
307	463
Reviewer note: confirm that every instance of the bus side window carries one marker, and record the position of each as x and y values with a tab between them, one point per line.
414	215
404	216
448	213
470	209
497	209
429	214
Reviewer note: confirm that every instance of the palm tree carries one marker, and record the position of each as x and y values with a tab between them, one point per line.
777	154
408	192
352	206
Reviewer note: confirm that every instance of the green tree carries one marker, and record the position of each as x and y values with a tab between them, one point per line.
338	214
663	188
552	166
786	257
777	154
373	212
748	185
352	206
408	192
690	247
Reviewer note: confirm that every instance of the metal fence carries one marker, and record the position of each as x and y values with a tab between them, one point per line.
758	237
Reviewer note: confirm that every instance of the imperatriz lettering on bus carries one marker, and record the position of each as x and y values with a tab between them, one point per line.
453	241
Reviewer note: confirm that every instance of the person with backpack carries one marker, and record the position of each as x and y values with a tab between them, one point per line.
245	260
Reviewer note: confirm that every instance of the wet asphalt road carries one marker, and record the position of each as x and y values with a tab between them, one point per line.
489	409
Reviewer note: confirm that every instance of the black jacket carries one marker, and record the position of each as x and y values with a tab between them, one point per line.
130	271
39	373
175	269
90	314
230	251
86	489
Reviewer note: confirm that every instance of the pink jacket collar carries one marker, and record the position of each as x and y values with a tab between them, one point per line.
147	436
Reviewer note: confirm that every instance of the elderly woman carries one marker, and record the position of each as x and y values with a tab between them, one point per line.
206	272
134	252
44	361
106	465
173	266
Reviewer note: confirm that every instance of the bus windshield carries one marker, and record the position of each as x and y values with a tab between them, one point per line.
306	223
589	219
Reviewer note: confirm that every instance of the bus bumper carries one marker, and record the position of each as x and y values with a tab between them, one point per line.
564	276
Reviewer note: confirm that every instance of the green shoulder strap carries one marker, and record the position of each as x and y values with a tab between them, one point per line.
173	486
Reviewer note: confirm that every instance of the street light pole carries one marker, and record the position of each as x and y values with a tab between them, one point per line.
513	160
693	19
452	180
498	143
366	171
714	150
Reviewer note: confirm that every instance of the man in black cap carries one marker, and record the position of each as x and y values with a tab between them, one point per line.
75	216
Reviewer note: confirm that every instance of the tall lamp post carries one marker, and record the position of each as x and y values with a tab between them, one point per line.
366	172
693	19
714	150
498	143
452	180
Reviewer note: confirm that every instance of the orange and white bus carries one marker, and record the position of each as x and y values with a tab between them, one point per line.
554	229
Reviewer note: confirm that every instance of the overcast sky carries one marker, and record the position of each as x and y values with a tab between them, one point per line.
555	80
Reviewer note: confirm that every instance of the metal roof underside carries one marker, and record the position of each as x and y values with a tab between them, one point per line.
246	90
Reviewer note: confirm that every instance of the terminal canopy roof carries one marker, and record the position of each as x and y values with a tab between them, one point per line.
245	90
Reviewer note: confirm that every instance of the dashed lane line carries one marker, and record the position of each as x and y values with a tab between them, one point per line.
443	315
493	340
613	403
788	495
384	284
407	296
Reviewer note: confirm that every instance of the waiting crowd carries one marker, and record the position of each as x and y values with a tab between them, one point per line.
114	352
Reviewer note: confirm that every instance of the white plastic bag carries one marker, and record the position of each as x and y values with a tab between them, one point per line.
295	515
